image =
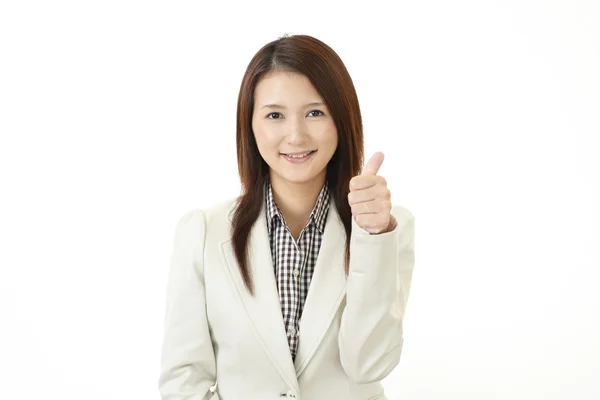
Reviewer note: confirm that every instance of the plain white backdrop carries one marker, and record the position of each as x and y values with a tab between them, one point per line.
116	117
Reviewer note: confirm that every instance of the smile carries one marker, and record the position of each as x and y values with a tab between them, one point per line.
298	158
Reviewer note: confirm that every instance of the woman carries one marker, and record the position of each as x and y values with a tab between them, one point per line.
297	288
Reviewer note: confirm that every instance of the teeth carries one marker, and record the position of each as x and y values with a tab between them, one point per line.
299	155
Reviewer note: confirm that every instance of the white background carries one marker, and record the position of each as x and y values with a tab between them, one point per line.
116	117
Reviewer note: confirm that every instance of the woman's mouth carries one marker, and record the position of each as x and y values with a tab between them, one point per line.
299	158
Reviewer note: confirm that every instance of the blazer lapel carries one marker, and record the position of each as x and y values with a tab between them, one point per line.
264	308
326	291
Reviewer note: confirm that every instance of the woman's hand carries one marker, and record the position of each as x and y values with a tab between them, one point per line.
370	199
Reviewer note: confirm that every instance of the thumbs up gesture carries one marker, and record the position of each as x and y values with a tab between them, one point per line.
370	199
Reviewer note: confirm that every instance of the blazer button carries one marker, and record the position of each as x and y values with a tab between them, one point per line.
291	395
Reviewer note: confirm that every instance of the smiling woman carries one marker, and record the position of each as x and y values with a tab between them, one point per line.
296	141
296	96
297	288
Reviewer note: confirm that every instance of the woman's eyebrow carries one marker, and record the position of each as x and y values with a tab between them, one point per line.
273	105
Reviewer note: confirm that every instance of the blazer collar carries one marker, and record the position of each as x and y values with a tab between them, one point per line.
325	294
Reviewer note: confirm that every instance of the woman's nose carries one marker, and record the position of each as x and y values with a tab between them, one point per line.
297	131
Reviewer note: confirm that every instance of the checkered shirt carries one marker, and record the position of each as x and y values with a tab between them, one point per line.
294	261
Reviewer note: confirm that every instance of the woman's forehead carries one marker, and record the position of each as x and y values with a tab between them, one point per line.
285	90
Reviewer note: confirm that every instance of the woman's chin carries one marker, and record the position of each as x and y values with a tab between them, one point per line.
296	178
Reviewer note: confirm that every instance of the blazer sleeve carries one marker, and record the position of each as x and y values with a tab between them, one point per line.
187	368
381	266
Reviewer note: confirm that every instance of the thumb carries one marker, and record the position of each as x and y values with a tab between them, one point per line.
374	164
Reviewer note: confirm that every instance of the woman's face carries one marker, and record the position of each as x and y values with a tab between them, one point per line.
290	117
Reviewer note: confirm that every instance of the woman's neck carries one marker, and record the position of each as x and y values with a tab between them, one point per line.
296	200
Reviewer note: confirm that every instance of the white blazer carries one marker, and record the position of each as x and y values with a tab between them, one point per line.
222	343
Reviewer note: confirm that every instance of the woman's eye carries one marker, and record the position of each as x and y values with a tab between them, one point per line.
274	113
316	111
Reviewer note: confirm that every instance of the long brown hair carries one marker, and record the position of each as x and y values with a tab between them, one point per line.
323	67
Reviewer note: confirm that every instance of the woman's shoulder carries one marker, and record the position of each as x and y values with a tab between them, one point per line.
213	217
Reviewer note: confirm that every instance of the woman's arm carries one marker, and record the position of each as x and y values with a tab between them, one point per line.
188	369
381	266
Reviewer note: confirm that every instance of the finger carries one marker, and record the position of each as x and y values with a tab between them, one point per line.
374	164
361	182
369	194
370	221
371	207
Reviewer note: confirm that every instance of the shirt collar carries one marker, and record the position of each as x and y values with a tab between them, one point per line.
317	216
